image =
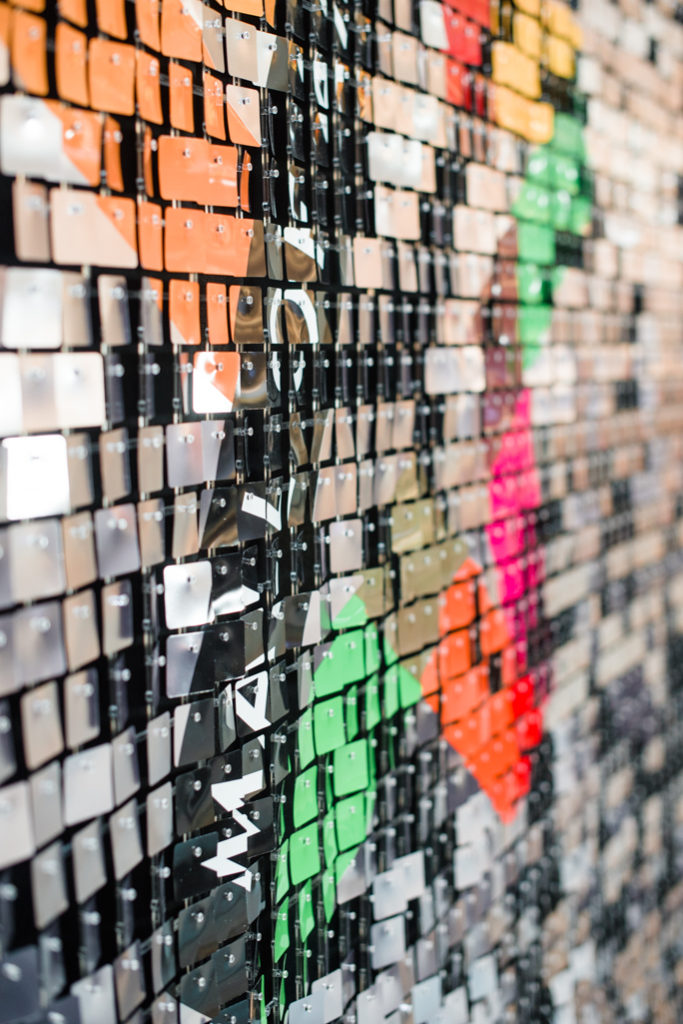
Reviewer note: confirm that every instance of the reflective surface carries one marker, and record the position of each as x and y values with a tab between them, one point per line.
340	511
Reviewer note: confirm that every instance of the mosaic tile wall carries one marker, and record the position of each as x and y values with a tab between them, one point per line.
341	440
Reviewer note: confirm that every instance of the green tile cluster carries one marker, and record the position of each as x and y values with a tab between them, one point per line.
333	792
553	198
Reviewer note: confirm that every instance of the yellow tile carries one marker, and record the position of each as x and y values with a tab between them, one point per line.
560	57
540	122
513	68
532	7
528	35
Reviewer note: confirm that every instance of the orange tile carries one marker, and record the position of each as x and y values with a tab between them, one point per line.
111	68
148	87
28	34
112	154
214	113
150	236
217	313
71	49
147	21
111	18
185	240
181	33
181	90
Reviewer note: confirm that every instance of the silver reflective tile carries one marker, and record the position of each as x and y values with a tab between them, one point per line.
332	989
309	1010
35	477
184	456
36	559
8	754
115	464
38	642
112	291
11	406
90	873
116	540
79	389
96	997
31	308
46	803
41	725
158	743
15	809
81	708
48	885
388	941
125	839
81	482
81	635
125	765
117	617
88	784
346	545
187	594
159	806
151	533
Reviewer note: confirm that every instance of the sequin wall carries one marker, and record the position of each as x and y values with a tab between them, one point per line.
341	434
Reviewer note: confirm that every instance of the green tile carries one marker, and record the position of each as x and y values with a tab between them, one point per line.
344	860
328	725
530	284
538	167
390	655
305	738
373	709
582	213
305	801
352	723
566	174
330	848
533	203
350	764
304	854
344	663
409	688
306	913
568	137
373	659
281	939
354	613
562	210
351	821
536	243
533	324
282	872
